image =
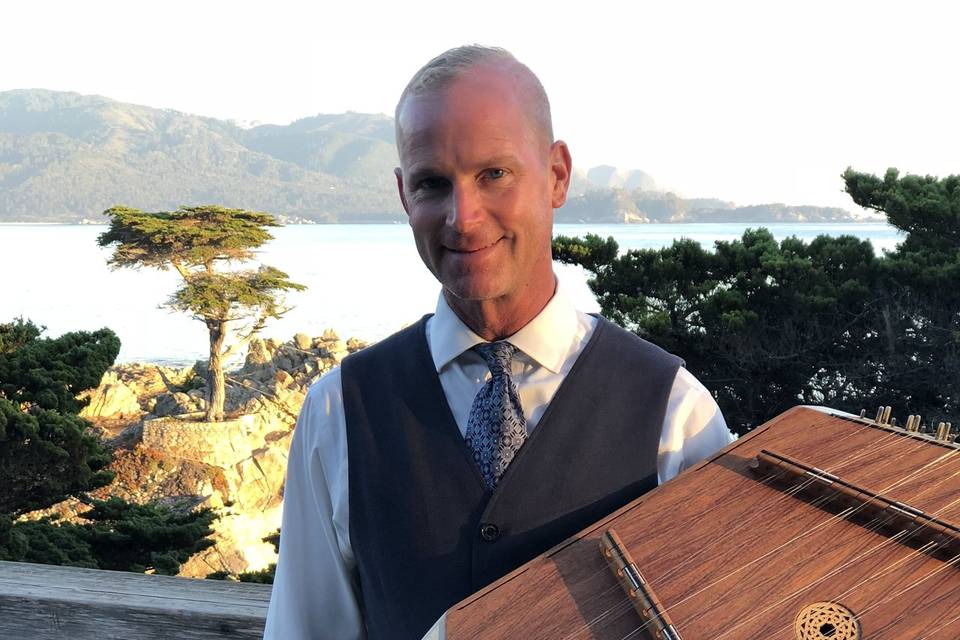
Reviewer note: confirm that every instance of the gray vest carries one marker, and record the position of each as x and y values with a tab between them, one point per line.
426	532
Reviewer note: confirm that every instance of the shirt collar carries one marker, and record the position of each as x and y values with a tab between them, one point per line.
546	339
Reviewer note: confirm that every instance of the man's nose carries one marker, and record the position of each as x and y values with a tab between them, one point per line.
466	207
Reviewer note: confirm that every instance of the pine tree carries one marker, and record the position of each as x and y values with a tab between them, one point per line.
49	454
768	325
919	319
195	241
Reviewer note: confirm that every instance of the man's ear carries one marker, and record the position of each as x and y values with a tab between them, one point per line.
561	168
403	199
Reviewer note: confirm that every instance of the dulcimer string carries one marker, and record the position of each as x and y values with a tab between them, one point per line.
624	605
733	532
603	573
952	562
886	571
928	603
914	553
940	627
836	518
882	443
900	537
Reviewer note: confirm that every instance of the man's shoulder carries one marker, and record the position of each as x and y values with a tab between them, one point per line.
629	344
324	390
404	339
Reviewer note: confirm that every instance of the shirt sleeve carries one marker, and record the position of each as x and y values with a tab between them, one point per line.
314	590
693	427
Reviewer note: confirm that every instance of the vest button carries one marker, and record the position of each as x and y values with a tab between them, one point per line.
489	532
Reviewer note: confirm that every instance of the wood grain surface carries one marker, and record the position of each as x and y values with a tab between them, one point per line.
734	556
40	602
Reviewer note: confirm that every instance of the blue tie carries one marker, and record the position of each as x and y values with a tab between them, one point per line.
496	428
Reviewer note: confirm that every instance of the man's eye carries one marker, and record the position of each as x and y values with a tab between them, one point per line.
495	174
432	184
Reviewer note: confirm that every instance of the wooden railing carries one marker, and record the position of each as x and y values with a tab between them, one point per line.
40	602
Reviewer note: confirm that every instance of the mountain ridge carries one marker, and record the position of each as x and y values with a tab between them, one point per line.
66	157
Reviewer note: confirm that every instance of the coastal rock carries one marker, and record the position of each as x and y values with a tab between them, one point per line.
303	341
112	398
257	353
124	385
166	451
221	444
174	404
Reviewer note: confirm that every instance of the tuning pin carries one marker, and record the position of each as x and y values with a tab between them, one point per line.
879	418
943	431
863	413
913	422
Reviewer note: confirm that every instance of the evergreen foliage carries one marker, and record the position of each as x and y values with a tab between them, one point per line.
195	241
768	325
118	536
49	454
50	372
17	333
46	457
919	319
124	536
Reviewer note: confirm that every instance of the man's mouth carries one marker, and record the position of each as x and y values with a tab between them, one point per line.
469	249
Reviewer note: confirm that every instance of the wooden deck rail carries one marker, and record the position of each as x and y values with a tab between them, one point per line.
41	602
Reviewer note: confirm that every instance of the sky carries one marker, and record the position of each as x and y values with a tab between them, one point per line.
751	102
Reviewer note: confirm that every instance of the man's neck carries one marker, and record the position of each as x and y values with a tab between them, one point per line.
500	318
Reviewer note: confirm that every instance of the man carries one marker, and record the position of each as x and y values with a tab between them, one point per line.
441	458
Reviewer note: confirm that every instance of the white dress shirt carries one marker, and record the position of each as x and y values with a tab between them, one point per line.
315	591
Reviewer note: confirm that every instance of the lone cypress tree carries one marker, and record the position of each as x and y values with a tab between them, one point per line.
195	241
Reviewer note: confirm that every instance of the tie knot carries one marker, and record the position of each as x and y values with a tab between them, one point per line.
497	356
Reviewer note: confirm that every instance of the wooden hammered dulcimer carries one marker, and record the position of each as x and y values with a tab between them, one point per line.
819	525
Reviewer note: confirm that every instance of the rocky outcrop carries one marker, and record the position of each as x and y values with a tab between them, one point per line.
165	451
129	391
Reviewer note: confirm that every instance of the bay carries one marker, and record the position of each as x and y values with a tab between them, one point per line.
363	280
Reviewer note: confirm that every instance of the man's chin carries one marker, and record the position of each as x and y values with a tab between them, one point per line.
472	290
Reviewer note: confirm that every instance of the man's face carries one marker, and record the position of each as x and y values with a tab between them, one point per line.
479	182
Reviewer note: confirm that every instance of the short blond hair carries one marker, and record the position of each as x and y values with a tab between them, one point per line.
442	70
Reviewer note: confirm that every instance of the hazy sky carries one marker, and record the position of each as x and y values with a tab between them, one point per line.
746	101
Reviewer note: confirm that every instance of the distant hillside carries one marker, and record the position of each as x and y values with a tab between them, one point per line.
608	176
65	157
637	206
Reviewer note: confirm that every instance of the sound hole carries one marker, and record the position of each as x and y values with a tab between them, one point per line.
826	621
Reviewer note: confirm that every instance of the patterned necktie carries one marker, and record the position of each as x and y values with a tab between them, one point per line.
496	427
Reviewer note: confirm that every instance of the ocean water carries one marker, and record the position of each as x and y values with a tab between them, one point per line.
362	280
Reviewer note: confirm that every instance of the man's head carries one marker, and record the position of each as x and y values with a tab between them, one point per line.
450	65
480	175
